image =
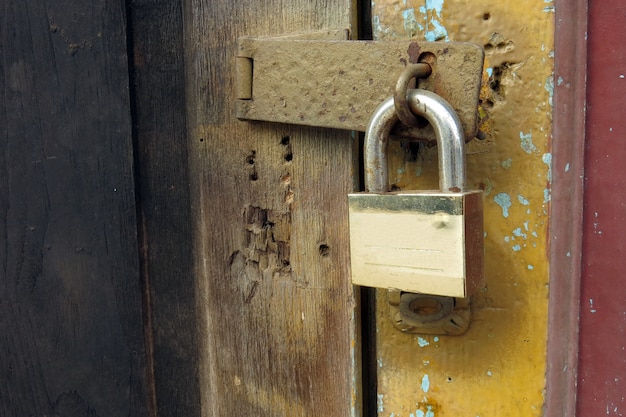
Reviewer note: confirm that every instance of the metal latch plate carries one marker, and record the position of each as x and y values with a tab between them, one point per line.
339	84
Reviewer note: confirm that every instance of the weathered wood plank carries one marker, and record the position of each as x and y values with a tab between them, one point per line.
70	304
270	210
163	185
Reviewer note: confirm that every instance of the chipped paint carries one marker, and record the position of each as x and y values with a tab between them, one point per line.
420	413
433	11
546	196
516	248
506	164
549	87
591	309
518	232
422	342
504	201
425	383
522	200
411	26
526	142
547	159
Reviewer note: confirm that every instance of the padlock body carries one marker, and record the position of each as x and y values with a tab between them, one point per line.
420	242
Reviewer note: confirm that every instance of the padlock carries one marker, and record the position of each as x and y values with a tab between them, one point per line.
428	242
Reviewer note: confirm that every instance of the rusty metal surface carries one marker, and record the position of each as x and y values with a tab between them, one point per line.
338	84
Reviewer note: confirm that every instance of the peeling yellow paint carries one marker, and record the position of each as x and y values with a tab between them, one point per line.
497	368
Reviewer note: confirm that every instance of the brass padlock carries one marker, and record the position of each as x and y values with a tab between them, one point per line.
428	242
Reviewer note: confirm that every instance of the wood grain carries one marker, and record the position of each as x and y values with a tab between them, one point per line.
566	217
70	304
269	203
165	215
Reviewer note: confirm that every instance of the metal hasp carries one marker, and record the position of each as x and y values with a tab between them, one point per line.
428	242
339	83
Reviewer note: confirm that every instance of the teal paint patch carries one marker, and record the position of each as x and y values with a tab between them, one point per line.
526	142
547	159
425	383
436	5
518	232
507	239
438	33
435	339
549	87
546	195
517	248
531	267
489	71
559	81
522	200
422	342
381	406
549	9
432	13
504	201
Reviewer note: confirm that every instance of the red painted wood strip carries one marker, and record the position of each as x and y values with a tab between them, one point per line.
602	356
566	209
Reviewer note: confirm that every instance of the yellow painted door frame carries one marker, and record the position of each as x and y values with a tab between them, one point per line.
502	364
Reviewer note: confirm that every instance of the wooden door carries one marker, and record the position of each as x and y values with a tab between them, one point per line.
72	338
277	336
160	257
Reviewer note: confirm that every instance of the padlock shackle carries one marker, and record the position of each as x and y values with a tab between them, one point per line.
448	132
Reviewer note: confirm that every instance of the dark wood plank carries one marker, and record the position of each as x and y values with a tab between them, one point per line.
165	213
70	300
269	203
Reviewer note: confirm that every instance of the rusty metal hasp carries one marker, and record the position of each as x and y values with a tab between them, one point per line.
339	83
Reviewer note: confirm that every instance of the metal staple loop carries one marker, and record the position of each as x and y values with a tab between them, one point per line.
420	70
